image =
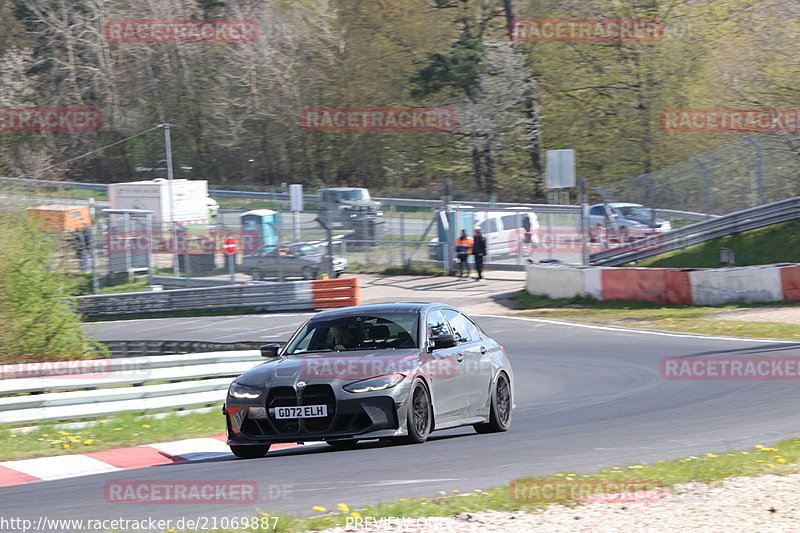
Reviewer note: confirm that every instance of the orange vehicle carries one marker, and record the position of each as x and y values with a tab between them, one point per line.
62	218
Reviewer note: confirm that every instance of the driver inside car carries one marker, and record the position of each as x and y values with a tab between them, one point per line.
344	338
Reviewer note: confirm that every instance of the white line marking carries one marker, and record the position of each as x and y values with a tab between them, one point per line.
642	331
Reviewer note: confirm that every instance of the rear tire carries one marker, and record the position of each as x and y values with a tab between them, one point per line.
309	273
419	420
250	452
256	274
500	409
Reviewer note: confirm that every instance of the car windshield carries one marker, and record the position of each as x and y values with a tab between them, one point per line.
356	332
356	194
305	249
634	211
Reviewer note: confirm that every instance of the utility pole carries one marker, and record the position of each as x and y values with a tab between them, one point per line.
171	219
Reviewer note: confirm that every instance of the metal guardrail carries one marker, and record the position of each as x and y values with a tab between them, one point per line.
125	349
265	296
748	219
120	385
400	202
269	296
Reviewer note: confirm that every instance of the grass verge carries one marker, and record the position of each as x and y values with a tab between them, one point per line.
128	429
774	244
779	459
704	320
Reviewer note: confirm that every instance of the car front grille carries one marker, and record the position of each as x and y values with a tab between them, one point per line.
334	423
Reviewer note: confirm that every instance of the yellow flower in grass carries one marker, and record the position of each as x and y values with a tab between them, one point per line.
265	514
780	459
636	466
711	455
63	433
343	508
319	508
401	500
355	514
455	490
89	441
616	468
65	445
45	435
117	429
146	426
759	461
13	436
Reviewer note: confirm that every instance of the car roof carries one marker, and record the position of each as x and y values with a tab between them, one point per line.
620	204
399	307
344	189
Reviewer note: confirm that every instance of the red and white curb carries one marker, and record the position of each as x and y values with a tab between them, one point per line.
67	466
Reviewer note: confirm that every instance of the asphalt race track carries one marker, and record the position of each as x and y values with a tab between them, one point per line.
586	398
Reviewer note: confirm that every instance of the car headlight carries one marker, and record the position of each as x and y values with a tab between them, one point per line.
375	384
243	392
640	226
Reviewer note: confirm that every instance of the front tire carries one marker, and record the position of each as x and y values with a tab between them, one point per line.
419	420
500	409
250	452
309	273
256	274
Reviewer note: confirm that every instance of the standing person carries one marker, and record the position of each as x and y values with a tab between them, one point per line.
479	251
463	249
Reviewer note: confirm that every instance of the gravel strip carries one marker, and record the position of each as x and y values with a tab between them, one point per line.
759	505
788	315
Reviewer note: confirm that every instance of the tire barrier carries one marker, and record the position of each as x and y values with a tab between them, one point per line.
713	286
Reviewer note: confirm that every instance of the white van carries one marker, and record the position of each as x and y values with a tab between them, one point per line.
508	231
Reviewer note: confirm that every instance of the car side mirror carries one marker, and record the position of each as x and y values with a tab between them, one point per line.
443	341
270	351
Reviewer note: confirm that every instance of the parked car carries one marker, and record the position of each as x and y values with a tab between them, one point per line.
292	260
339	203
634	219
388	371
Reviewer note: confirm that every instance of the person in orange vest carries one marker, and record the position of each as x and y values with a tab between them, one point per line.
463	250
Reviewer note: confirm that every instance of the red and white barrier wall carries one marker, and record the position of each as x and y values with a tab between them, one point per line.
761	283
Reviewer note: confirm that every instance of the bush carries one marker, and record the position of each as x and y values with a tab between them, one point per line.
37	323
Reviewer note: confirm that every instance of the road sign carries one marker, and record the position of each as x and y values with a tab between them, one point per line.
296	197
230	246
560	168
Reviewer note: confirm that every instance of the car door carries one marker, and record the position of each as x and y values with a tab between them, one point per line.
470	360
448	379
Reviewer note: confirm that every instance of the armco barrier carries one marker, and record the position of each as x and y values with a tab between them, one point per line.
762	283
70	390
285	296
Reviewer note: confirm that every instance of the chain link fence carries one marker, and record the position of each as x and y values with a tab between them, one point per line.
750	171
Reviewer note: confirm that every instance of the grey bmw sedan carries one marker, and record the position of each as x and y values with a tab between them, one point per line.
388	371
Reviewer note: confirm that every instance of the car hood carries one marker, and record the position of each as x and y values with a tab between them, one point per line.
327	366
645	219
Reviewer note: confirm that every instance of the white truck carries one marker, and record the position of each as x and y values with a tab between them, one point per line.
190	201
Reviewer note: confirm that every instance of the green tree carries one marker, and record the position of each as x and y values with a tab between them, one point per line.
38	323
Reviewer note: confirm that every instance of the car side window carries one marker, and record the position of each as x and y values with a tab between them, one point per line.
437	325
458	323
474	331
597	210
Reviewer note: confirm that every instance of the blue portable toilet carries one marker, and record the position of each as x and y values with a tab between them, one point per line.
259	230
